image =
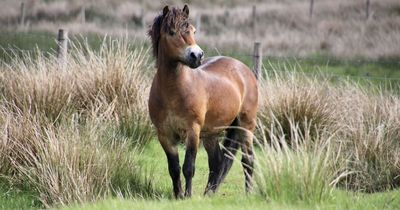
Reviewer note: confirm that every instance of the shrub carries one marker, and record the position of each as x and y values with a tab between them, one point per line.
305	171
298	103
359	119
73	135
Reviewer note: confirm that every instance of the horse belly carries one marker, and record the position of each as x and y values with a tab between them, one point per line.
221	112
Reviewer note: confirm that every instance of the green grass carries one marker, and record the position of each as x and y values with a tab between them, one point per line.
230	196
377	71
384	72
13	198
342	201
154	158
28	41
17	42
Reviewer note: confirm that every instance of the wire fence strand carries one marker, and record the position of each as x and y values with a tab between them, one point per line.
292	60
328	74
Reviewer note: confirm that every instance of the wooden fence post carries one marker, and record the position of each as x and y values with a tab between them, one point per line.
22	17
142	19
257	59
254	21
311	8
62	42
226	17
367	9
82	15
198	23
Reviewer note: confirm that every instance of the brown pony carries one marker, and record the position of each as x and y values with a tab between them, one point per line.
192	99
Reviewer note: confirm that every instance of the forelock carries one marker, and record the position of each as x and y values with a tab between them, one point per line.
176	19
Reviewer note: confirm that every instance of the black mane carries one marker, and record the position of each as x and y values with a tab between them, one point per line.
175	19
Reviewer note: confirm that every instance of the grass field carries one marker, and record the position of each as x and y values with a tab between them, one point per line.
230	196
379	71
81	138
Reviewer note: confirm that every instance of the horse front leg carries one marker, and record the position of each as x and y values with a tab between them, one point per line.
192	144
174	168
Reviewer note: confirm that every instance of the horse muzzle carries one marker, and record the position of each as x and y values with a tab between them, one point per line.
193	56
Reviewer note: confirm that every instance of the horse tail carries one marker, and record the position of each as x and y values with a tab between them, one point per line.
230	146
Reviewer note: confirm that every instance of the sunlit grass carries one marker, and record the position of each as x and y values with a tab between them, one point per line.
81	135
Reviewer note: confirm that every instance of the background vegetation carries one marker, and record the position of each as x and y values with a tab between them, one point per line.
337	28
81	134
79	138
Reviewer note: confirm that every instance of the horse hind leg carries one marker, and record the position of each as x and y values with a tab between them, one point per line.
230	146
240	133
214	153
220	160
246	134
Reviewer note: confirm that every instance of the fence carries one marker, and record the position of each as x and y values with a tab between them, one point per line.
367	9
256	59
61	41
81	15
62	47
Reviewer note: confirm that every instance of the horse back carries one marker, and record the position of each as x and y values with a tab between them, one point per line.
226	68
232	87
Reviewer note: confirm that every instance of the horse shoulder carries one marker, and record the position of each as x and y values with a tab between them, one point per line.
194	97
156	104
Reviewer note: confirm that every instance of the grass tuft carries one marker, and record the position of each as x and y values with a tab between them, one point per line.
304	171
359	119
73	135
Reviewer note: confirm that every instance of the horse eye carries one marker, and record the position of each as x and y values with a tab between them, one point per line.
172	33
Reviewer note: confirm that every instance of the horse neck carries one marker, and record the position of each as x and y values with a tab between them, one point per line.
171	74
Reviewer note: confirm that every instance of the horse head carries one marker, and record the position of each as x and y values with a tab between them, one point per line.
173	36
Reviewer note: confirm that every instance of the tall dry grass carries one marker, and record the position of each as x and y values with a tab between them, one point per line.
371	134
72	163
307	170
114	76
73	135
296	101
359	123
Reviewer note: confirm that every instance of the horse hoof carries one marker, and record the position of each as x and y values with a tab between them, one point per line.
188	195
179	196
209	192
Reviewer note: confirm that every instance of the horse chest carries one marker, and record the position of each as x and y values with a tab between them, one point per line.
175	124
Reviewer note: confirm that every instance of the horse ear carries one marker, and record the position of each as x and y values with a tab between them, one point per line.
165	10
186	10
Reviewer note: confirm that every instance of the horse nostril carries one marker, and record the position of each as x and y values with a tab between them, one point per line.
192	55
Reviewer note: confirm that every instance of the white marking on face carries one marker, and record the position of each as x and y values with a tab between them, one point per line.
195	49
